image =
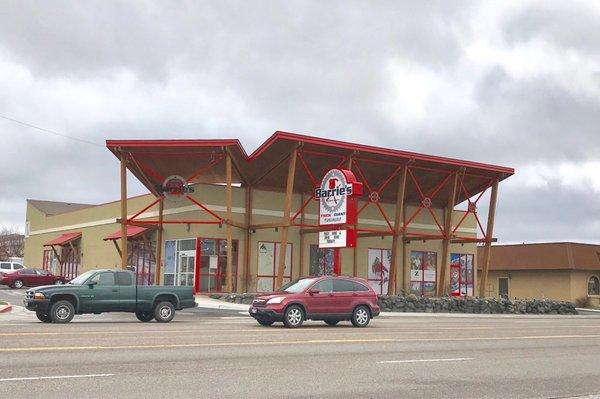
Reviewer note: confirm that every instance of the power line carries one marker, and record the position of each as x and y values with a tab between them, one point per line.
51	131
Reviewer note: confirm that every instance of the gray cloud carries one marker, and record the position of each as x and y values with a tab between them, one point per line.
102	70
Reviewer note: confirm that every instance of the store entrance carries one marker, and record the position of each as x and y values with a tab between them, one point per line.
212	265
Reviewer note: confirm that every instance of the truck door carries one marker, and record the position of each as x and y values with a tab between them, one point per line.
127	292
100	294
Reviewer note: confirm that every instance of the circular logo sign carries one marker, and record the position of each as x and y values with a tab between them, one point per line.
175	188
333	191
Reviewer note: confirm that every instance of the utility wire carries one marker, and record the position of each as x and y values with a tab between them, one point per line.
51	131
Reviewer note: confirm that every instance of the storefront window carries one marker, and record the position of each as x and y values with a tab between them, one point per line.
593	286
423	273
461	274
180	259
213	264
379	269
268	261
321	261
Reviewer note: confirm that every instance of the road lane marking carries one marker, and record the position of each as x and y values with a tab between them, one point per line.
55	377
456	359
296	342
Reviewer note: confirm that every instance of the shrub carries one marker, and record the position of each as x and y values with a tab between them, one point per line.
582	302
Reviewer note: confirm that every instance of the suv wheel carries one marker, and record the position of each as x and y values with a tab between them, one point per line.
331	322
43	317
164	312
18	284
144	316
293	316
361	316
62	312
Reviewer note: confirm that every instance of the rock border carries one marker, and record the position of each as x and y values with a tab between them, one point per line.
412	303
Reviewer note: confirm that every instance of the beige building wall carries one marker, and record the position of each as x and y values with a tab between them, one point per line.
97	222
529	284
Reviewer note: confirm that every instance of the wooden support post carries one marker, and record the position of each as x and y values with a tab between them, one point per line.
287	206
123	209
398	232
58	259
301	257
444	275
488	239
228	200
159	240
117	247
247	244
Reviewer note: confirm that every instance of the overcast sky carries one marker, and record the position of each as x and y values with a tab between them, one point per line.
511	84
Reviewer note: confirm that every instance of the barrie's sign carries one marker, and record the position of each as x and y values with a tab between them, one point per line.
337	206
175	188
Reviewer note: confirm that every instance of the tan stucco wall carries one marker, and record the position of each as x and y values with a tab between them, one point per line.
525	284
99	221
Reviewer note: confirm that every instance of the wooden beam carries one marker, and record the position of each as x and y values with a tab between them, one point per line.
60	263
488	235
266	173
159	240
301	257
240	171
287	207
444	274
123	209
398	230
235	224
228	200
117	247
247	249
268	225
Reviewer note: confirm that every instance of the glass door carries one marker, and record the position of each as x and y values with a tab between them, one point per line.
185	271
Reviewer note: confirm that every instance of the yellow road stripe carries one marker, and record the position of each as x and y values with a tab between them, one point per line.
311	341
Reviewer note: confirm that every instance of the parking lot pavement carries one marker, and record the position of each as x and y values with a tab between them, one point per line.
234	357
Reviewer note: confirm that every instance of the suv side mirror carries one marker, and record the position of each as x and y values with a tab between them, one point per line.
313	291
91	284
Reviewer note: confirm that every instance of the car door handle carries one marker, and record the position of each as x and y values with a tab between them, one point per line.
330	294
115	290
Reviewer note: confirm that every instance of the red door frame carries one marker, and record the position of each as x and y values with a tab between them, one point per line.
217	275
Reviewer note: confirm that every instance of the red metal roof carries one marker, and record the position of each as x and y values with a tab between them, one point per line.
64	239
132	232
152	161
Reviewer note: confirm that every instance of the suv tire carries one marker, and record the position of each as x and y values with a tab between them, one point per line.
361	316
62	312
293	316
144	316
43	317
164	312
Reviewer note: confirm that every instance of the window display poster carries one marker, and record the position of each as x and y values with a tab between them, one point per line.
430	266
379	269
266	258
416	264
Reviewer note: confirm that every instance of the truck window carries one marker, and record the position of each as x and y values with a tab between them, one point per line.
124	278
106	278
5	266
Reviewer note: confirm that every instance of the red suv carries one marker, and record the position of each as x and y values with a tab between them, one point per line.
327	298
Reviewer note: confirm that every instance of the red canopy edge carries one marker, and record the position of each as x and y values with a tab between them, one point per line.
64	239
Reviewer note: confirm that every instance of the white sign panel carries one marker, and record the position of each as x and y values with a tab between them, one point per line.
332	239
333	198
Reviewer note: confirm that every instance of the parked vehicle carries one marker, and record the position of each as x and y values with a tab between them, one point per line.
100	291
30	278
328	298
7	267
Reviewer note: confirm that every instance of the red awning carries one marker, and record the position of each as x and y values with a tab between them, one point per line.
64	239
132	232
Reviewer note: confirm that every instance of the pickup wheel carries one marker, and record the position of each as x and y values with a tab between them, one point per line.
144	316
43	317
62	312
164	312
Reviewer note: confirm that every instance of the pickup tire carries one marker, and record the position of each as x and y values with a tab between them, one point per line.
43	317
164	312
144	316
62	312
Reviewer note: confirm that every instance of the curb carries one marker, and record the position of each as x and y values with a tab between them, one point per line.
6	308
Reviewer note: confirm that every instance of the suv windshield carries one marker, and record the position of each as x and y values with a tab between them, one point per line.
82	278
297	285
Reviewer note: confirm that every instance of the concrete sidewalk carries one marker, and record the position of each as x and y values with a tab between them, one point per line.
209	303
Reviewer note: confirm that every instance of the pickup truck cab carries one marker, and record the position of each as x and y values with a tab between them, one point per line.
100	291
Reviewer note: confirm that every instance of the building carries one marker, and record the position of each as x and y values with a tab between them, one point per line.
563	271
221	220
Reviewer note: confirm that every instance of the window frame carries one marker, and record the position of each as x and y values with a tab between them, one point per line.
597	285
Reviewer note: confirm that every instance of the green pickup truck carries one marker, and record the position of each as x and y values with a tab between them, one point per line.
100	291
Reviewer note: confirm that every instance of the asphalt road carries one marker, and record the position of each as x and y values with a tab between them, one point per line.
230	356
